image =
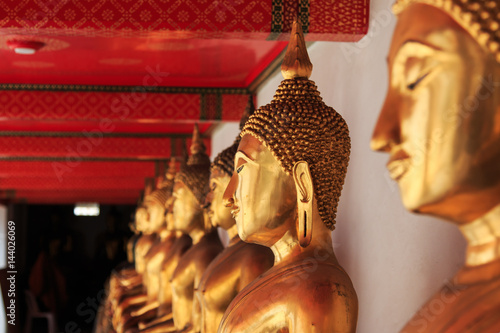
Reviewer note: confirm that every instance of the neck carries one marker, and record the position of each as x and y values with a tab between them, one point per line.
286	248
196	235
483	238
232	233
165	233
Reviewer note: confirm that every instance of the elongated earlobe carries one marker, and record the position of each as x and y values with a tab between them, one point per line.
305	194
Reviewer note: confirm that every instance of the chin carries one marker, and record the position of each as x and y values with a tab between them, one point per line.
241	232
244	234
413	205
417	203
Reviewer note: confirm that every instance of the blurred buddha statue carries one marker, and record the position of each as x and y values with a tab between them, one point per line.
142	244
240	263
124	280
188	215
290	169
102	322
144	306
126	285
441	126
128	269
132	242
163	304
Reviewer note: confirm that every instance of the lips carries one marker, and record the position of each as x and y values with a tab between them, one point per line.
235	211
398	164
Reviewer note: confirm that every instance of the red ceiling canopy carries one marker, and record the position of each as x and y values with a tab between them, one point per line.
341	20
112	89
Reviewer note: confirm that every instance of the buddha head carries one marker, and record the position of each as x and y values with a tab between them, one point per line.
440	122
190	187
155	208
156	202
292	159
220	175
141	219
168	184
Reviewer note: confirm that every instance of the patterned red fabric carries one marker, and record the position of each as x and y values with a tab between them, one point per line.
183	19
124	106
108	196
85	169
52	183
79	148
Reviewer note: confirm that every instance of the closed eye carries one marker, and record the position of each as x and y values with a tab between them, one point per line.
414	84
240	168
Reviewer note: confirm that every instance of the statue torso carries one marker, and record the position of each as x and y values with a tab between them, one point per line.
229	272
168	265
141	250
469	304
187	276
154	260
299	297
131	247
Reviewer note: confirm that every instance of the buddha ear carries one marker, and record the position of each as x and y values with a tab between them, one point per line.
305	194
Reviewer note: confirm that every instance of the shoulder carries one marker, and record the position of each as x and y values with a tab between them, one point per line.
323	284
325	299
254	252
318	298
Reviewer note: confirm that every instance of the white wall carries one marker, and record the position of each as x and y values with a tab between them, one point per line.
396	260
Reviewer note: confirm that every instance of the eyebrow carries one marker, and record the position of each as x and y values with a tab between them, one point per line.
241	154
413	42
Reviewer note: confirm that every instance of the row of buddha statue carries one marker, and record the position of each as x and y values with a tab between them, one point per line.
276	190
183	278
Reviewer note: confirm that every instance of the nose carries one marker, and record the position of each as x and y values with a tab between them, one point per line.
205	205
228	197
387	132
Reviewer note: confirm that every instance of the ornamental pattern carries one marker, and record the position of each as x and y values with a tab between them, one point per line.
78	149
247	19
125	106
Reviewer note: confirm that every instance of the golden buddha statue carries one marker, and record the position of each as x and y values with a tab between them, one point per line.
131	243
240	263
102	322
290	168
164	265
441	126
148	301
188	216
143	243
130	283
125	284
163	312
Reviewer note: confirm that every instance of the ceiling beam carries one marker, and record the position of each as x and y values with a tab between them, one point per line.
108	196
73	148
73	183
340	20
85	169
109	105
